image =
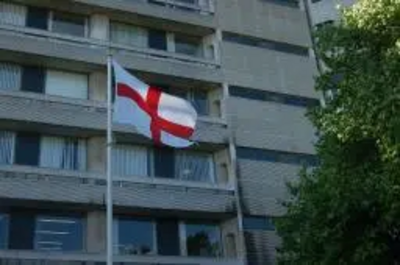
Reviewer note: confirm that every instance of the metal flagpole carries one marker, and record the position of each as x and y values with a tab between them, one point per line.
109	203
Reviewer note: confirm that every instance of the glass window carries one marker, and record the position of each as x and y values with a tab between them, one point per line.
3	230
128	34
203	240
12	14
199	99
6	147
134	237
63	153
188	45
10	76
129	160
27	149
70	24
56	233
258	223
194	166
67	84
157	39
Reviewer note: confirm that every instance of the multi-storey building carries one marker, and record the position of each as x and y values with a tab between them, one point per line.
246	67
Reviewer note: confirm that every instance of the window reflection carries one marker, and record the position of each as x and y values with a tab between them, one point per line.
134	237
55	233
203	240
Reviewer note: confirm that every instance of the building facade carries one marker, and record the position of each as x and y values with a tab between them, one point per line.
246	67
327	11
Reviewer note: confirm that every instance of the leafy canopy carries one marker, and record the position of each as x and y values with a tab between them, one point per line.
347	210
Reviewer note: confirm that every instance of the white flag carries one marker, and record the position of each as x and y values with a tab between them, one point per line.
164	118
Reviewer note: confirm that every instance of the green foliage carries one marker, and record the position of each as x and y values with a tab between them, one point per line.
347	211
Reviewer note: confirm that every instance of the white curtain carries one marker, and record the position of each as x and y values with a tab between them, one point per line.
7	140
194	166
10	76
67	84
128	35
130	160
63	153
12	14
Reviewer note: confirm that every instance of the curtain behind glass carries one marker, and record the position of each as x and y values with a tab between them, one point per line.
63	153
12	14
128	35
10	76
194	166
130	161
6	147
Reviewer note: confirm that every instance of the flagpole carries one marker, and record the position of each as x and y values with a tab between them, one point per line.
109	203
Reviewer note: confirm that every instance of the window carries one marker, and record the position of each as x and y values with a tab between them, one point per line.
290	3
33	79
183	165
157	39
256	94
67	84
3	231
134	237
258	223
168	237
31	149
69	24
56	233
194	166
63	153
27	149
188	45
128	34
37	18
203	240
12	14
10	76
6	147
129	160
276	156
265	44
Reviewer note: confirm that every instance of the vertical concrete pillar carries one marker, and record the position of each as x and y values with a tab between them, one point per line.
97	154
96	232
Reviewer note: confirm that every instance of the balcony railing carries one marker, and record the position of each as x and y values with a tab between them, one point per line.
100	44
11	257
199	6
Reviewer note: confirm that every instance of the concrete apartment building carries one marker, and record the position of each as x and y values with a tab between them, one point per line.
246	67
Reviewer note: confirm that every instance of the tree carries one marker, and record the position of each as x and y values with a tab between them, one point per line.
347	209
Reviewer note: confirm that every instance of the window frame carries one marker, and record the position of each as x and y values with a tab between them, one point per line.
183	235
81	218
152	221
50	23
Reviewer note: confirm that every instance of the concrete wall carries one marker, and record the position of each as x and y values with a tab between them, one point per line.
262	19
268	70
263	186
270	125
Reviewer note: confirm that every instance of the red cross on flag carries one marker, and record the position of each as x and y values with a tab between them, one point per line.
164	118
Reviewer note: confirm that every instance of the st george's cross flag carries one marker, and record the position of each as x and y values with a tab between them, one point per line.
164	118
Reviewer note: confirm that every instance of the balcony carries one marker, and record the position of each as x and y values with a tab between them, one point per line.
50	44
35	258
55	185
194	12
83	115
